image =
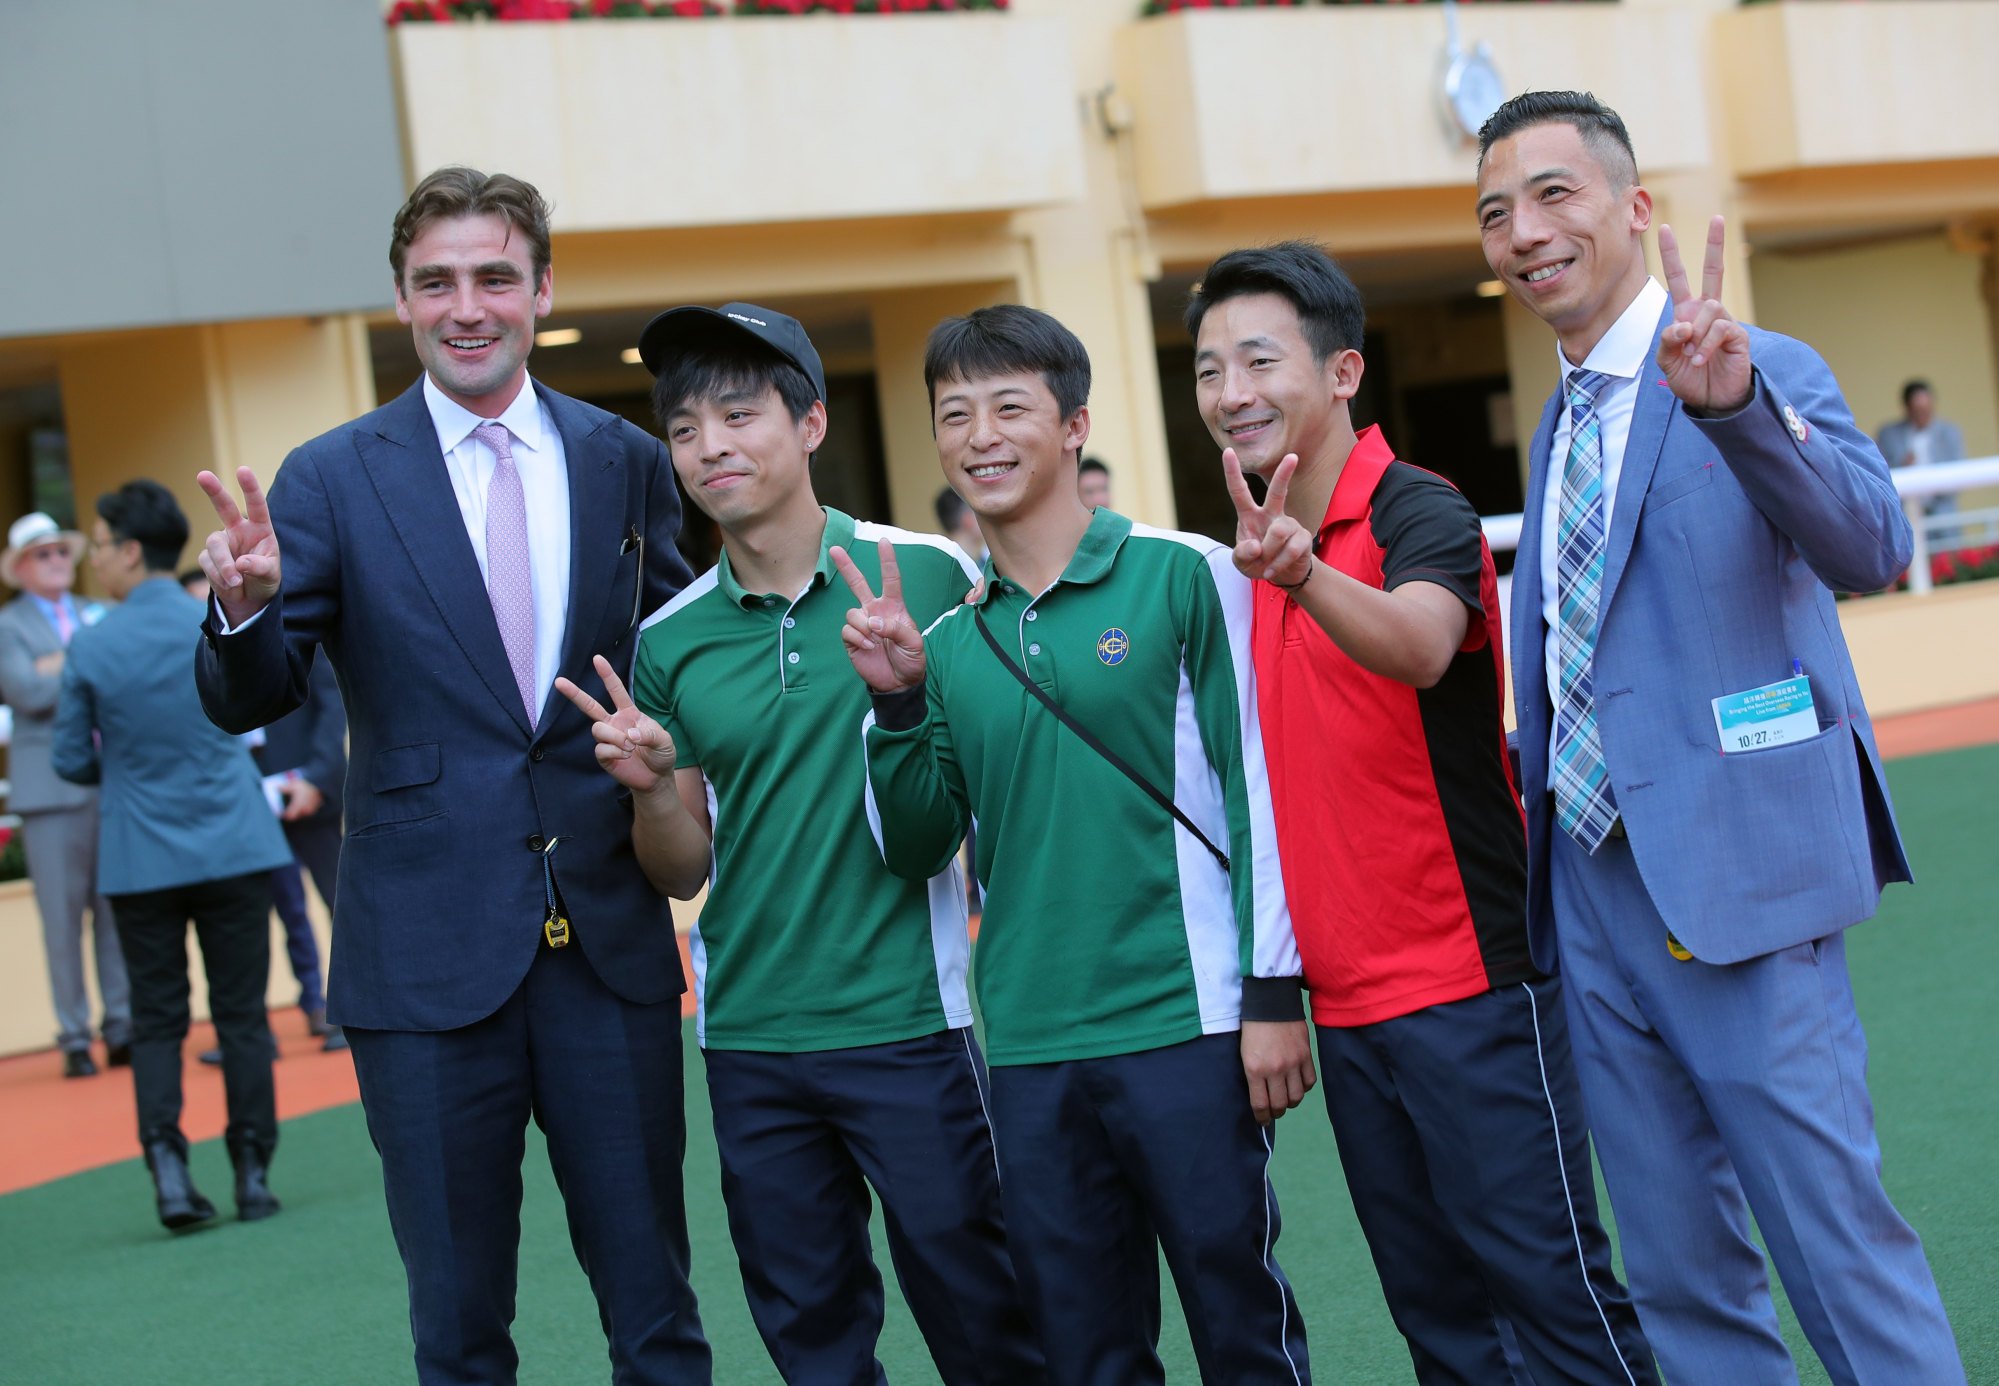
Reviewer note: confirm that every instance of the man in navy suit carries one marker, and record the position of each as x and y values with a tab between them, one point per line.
1706	808
500	955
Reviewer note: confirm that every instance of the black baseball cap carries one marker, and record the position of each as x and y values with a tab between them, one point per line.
680	330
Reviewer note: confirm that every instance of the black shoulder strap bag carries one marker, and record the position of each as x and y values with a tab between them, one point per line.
1089	739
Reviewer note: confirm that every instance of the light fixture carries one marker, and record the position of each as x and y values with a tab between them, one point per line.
559	336
1490	288
630	356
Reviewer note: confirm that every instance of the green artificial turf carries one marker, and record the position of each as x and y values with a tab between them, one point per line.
92	1293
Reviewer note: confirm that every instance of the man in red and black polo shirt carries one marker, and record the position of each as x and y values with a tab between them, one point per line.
1444	1052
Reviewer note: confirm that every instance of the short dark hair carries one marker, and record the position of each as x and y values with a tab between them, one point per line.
725	367
951	509
1914	388
1003	339
1092	464
457	191
146	511
1330	310
1601	128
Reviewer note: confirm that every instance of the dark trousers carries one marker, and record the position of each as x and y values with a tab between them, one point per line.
301	946
232	920
448	1112
1104	1163
1461	1132
801	1138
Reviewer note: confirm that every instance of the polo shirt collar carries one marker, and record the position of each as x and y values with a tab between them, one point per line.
1354	491
839	531
1091	562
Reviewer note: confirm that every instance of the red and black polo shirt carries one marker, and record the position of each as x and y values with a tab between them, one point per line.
1403	841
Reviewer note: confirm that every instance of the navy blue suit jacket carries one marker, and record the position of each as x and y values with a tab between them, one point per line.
449	793
1727	540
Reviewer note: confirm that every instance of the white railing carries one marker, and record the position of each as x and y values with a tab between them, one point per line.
1917	484
1913	484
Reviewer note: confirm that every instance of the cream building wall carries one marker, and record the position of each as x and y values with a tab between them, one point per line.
1883	314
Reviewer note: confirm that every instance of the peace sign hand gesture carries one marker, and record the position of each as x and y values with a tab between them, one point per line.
885	645
241	558
633	749
1269	544
1703	351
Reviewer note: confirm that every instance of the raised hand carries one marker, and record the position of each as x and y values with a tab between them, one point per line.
1269	544
1703	351
241	558
631	747
885	645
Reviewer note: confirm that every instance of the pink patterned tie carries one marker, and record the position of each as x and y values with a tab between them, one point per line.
509	577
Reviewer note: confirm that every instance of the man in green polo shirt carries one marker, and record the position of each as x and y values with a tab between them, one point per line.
833	1013
1138	978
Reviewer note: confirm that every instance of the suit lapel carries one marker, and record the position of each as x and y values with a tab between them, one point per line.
1651	415
407	470
591	454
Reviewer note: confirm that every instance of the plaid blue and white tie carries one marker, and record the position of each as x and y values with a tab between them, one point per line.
1583	803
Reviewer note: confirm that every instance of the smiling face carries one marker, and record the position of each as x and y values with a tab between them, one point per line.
1005	445
1259	389
471	299
1562	229
742	457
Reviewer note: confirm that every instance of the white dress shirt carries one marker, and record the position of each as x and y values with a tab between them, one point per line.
1621	354
541	462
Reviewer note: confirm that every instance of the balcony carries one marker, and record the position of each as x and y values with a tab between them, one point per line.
1821	86
638	124
1289	102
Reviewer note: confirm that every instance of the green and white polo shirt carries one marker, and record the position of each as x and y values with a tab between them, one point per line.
1108	928
807	942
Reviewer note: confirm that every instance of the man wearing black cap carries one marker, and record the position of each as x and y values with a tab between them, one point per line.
838	1042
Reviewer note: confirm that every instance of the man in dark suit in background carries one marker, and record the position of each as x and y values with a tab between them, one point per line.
304	759
184	835
453	551
303	756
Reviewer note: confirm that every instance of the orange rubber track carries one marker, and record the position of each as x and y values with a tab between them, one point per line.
55	1127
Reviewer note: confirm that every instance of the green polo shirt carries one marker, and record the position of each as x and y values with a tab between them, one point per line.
807	942
1108	928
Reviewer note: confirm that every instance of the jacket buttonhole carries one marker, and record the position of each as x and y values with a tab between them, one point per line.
1642	784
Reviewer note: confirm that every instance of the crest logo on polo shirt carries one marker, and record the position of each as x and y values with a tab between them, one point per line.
1113	645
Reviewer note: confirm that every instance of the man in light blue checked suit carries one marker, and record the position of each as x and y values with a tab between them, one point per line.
1697	491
